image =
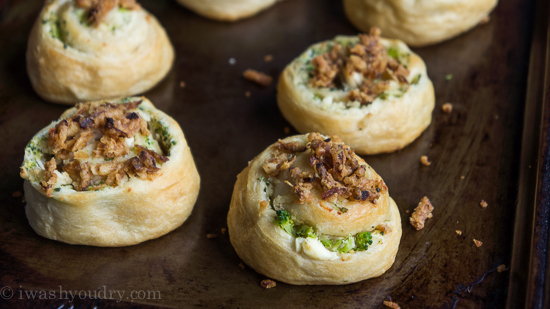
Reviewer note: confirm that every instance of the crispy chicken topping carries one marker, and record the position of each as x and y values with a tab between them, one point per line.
98	9
338	173
422	212
109	126
367	67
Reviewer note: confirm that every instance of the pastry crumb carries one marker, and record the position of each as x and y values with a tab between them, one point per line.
268	58
478	243
461	177
502	268
485	20
447	108
483	204
391	304
287	130
268	284
182	84
422	212
458	232
209	236
247	94
407	211
16	194
258	77
241	265
424	160
224	230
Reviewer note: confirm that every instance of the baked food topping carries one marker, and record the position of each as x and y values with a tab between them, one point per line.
422	212
364	68
98	9
102	144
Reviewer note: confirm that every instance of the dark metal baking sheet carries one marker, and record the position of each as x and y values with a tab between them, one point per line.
476	153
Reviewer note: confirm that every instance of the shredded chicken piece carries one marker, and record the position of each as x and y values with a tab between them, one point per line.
109	147
291	147
51	177
391	304
278	163
367	67
144	165
421	213
303	183
258	77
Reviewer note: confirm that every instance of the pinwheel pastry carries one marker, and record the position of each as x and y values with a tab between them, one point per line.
81	50
109	173
420	22
373	92
308	210
227	10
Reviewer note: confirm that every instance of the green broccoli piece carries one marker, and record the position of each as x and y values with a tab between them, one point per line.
362	241
305	231
392	52
348	244
284	221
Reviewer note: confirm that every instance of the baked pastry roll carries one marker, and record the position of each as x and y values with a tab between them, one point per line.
308	210
418	23
82	50
227	10
373	92
109	173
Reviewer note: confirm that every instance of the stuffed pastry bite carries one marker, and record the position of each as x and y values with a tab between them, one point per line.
84	50
227	10
373	92
419	23
109	173
308	211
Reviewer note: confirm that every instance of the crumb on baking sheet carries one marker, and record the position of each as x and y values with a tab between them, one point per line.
16	194
268	284
447	108
502	268
483	204
461	177
247	94
268	58
391	304
424	160
287	130
478	243
209	236
485	20
407	211
458	232
182	84
241	265
422	212
224	230
258	77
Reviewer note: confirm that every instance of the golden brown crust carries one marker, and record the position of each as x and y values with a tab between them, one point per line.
271	251
418	23
387	124
78	62
227	10
117	213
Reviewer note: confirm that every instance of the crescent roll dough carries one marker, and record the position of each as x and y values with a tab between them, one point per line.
227	10
109	173
80	51
373	92
420	22
308	210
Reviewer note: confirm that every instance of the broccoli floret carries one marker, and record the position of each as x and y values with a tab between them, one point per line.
305	231
325	241
347	244
284	221
363	240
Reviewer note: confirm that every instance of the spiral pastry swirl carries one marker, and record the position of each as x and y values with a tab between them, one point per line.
88	50
308	210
